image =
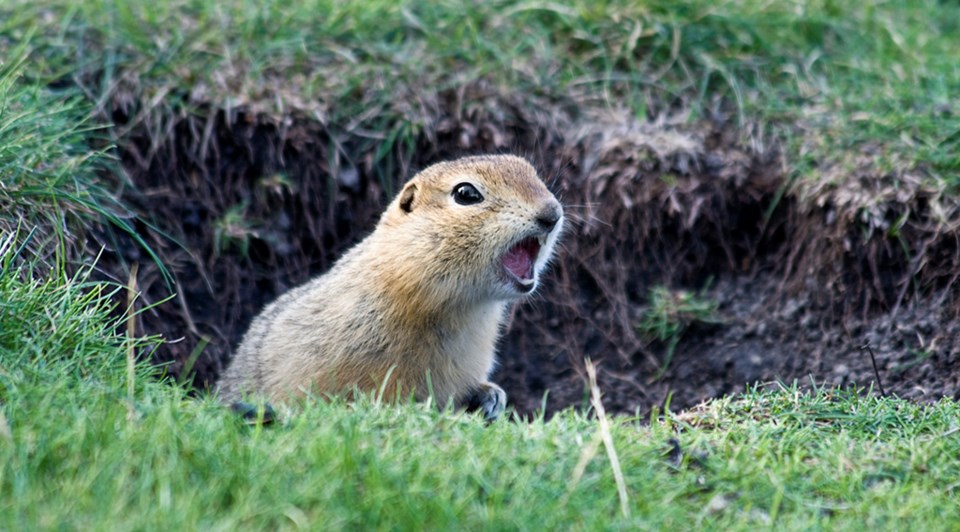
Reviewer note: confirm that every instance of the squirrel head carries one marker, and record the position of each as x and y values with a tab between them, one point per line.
485	226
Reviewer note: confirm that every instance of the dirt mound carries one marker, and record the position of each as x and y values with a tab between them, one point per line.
242	207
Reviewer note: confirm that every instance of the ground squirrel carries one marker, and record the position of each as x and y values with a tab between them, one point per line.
417	306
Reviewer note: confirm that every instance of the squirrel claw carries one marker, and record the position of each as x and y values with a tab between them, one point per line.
489	399
254	414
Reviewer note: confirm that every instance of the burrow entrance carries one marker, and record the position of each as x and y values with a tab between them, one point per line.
241	207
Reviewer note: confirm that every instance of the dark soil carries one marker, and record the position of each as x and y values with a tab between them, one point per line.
765	338
243	207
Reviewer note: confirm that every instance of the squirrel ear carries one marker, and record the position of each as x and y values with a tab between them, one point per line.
407	196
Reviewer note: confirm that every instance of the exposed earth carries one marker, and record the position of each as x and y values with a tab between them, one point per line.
242	207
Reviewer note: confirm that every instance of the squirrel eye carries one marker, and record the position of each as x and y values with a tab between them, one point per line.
466	194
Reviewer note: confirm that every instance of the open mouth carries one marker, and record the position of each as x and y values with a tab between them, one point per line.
519	263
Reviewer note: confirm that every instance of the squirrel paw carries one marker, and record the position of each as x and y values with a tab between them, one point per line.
254	414
487	398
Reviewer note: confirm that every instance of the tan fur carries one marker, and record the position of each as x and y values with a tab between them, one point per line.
425	293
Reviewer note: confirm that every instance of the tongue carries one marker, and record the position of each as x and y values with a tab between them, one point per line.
520	258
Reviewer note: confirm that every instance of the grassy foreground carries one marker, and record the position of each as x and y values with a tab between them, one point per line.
76	452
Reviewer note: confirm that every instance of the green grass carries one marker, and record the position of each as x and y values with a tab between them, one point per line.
73	456
76	452
50	187
45	163
825	77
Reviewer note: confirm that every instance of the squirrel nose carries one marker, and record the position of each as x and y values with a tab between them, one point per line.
548	217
